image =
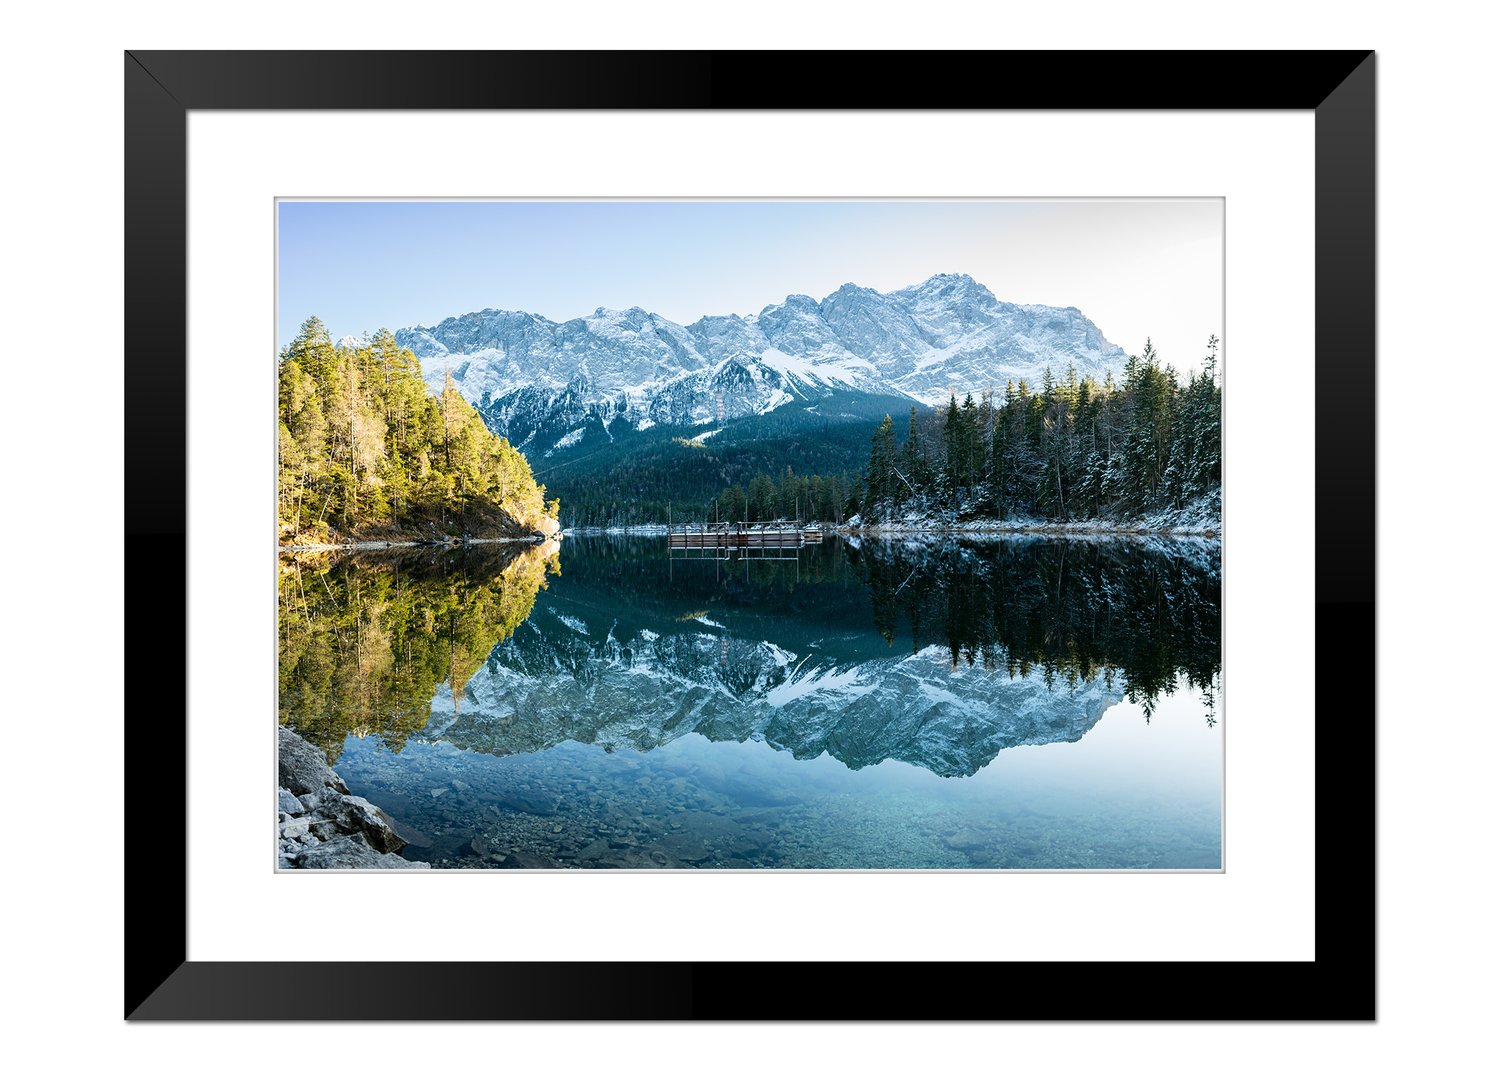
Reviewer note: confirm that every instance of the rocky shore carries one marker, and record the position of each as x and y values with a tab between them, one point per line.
320	824
439	544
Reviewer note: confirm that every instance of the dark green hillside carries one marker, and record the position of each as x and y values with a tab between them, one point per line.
624	476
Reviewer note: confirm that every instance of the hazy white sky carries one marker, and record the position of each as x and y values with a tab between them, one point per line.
1135	267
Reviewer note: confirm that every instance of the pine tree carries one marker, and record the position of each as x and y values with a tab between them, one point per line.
856	499
312	349
363	443
1206	401
970	459
913	464
953	452
999	460
881	474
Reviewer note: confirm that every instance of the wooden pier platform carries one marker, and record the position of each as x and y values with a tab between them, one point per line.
742	535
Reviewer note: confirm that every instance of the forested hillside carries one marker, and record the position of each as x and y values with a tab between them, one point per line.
1067	449
366	451
623	476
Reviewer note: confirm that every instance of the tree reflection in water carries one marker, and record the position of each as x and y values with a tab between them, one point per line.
365	639
369	640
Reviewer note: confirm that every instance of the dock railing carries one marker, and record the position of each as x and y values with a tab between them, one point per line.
740	534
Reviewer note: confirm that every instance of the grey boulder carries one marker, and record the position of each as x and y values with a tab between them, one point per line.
301	767
358	815
351	852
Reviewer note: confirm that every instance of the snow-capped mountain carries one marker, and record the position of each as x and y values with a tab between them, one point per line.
609	657
560	678
525	372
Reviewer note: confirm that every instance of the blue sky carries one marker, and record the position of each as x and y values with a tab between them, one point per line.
1134	267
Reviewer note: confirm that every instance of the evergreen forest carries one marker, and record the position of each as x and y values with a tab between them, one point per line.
1066	449
365	451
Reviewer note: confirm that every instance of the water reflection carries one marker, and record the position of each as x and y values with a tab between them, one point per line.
606	704
365	640
1071	609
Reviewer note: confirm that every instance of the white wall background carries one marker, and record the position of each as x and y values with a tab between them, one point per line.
61	298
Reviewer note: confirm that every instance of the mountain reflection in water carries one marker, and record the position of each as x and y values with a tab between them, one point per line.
508	704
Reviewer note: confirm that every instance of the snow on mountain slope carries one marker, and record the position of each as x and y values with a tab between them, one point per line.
948	333
561	680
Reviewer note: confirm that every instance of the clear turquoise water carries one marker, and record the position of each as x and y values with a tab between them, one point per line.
898	705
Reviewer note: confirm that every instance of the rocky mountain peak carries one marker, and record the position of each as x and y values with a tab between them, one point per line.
946	333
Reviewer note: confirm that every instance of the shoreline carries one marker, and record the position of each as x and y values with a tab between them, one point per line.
983	528
1002	528
320	824
1061	529
375	544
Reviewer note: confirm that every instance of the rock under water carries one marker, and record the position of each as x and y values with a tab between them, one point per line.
320	824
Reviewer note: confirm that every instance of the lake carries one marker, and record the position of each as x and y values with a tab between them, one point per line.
934	702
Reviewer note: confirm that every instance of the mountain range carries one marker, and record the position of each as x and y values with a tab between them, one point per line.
591	666
557	682
545	384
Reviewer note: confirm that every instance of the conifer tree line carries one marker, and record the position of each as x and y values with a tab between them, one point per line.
812	499
365	449
790	497
1069	449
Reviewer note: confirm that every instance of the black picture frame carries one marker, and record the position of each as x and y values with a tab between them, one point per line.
161	983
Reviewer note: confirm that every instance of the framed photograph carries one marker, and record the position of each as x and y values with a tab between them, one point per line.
753	537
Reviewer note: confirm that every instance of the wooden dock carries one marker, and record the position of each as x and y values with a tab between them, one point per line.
741	535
